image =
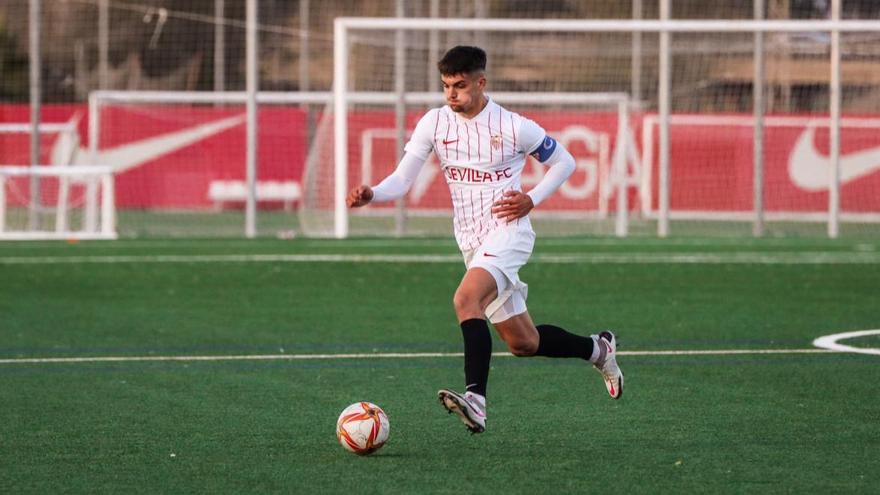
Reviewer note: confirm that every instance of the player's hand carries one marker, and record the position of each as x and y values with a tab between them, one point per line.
359	196
513	205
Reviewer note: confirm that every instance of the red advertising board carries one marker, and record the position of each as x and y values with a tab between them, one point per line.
168	156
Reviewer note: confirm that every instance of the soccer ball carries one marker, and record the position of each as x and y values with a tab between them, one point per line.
362	428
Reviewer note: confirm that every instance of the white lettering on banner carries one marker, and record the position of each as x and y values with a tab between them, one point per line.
595	143
134	154
589	165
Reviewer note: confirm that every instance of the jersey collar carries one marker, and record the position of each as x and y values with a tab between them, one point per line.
483	112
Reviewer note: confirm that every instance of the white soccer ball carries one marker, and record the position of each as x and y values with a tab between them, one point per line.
362	428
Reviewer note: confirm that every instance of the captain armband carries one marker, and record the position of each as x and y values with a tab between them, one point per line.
544	150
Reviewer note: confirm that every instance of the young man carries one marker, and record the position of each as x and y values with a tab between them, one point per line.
482	148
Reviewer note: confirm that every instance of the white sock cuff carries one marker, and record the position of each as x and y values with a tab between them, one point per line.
595	355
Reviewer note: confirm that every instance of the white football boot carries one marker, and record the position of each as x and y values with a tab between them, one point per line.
470	408
606	364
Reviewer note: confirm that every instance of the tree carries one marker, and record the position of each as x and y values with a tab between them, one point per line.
13	67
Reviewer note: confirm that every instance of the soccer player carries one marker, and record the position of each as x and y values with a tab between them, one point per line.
482	149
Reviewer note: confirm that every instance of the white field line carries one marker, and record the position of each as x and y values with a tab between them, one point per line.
743	257
406	242
830	342
380	355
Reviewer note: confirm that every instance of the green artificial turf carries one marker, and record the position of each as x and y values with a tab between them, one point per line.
731	423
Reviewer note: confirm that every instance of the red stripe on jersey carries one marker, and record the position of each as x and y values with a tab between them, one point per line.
460	210
513	132
473	221
475	236
494	217
436	125
482	213
473	209
479	151
501	130
456	140
463	224
445	139
457	209
468	131
489	125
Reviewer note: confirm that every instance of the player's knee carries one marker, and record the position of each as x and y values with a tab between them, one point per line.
523	348
466	305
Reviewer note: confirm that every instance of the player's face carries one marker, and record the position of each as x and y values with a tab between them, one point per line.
464	93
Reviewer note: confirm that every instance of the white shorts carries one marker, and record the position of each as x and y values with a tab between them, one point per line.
504	251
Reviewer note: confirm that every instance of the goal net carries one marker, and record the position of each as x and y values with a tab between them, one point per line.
665	135
180	160
714	166
593	126
54	201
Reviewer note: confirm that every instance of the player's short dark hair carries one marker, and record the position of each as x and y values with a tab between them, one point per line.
462	60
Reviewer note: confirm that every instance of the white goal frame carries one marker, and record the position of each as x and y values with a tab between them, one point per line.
623	154
665	27
93	176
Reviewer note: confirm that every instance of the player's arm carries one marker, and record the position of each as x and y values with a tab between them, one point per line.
397	184
561	165
392	187
516	204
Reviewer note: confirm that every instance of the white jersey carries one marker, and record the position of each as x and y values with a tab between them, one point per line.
481	158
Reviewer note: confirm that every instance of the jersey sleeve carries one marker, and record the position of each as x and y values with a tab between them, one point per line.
421	143
535	140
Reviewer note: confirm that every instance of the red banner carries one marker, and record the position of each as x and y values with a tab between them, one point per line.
711	163
168	156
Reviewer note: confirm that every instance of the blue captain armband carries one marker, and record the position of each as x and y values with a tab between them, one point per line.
545	150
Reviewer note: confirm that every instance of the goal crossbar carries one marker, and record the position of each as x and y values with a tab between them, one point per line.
606	25
354	97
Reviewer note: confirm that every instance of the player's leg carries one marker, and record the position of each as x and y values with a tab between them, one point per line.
523	338
477	289
520	334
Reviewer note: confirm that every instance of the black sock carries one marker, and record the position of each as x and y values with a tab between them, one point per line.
477	353
556	342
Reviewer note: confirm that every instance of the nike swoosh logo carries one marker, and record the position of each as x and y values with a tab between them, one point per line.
131	155
450	142
811	171
489	255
